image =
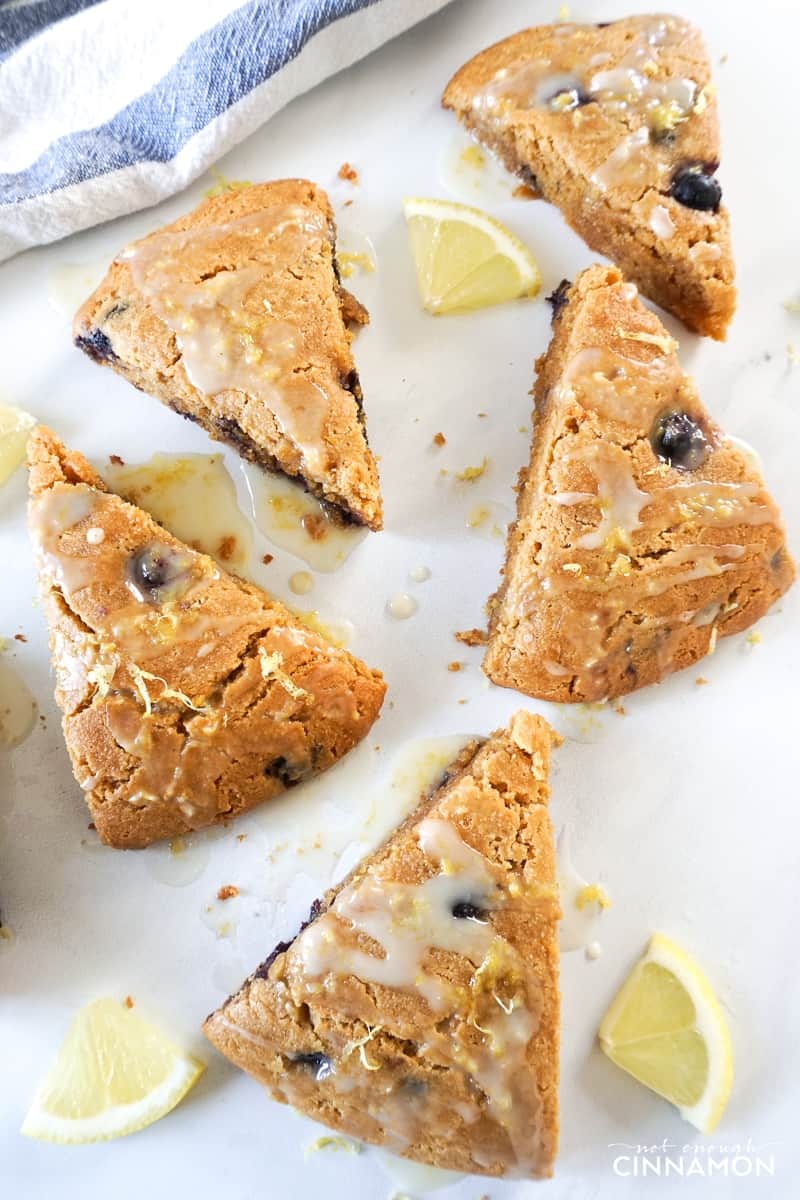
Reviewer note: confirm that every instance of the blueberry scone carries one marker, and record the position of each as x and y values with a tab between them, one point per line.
188	696
617	125
234	316
418	1008
643	533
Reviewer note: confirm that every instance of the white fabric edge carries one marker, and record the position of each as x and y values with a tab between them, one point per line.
55	215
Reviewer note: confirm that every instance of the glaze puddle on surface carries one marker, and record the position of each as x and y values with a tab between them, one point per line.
473	174
180	861
221	917
69	284
295	521
580	910
15	425
336	630
193	496
17	706
415	1179
488	520
401	606
415	769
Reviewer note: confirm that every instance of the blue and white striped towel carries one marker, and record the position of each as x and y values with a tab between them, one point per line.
108	106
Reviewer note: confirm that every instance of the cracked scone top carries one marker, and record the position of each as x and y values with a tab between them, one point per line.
418	1007
617	125
234	317
188	696
642	532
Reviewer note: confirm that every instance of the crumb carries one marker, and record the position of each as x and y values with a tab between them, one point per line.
240	837
454	666
620	710
792	306
267	559
700	681
347	203
227	892
463	702
524	191
347	172
315	526
470	474
439	439
227	547
522	429
563	12
129	1001
471	637
5	933
116	460
723	59
793	354
91	825
753	637
20	637
376	749
483	414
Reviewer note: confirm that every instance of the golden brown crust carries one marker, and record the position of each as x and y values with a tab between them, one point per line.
178	712
680	257
297	284
302	1034
620	567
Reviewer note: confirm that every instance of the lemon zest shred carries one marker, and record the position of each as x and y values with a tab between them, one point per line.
169	693
664	342
592	893
271	669
359	1046
471	473
332	1142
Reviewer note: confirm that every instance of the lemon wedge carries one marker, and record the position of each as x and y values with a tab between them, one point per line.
15	425
113	1075
666	1028
464	258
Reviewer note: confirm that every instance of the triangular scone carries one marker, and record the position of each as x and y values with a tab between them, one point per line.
234	316
189	696
418	1007
617	125
642	532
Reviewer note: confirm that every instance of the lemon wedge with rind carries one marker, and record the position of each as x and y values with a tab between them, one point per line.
464	258
114	1075
667	1029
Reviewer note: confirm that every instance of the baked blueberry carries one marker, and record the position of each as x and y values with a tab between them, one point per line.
157	573
678	439
568	97
558	298
289	773
319	1064
465	910
694	186
96	345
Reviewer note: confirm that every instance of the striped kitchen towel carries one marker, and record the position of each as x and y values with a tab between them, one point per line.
108	106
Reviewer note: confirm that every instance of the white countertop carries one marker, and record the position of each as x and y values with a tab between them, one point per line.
685	808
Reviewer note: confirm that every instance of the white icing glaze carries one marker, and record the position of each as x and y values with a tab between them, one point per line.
406	921
661	222
225	329
621	502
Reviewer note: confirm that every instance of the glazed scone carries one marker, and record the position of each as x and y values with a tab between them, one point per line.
417	1008
188	696
234	316
642	533
617	125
